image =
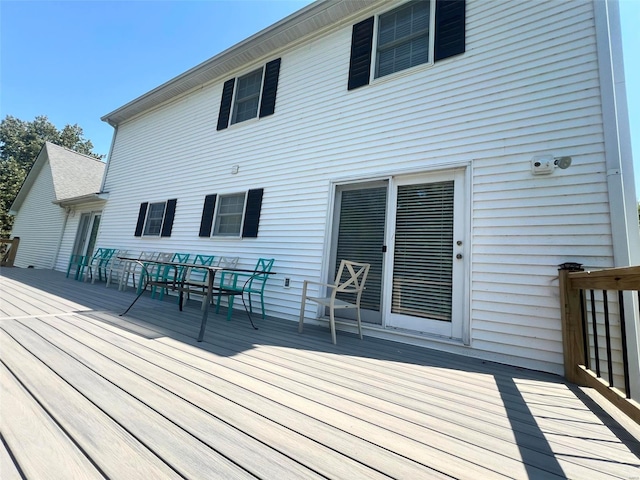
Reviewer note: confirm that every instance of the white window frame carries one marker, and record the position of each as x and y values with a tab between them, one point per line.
236	89
145	232
376	34
217	215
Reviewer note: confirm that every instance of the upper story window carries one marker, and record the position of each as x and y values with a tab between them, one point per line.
156	219
249	96
403	38
231	215
417	32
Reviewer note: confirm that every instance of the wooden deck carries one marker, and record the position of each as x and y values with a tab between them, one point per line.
88	394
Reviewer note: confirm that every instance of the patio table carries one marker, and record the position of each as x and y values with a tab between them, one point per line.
179	282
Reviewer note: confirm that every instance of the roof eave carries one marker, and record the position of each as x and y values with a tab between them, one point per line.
313	18
91	197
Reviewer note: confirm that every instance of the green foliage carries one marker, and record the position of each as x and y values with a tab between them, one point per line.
20	144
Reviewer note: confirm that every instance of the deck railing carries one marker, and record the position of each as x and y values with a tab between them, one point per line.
599	335
8	250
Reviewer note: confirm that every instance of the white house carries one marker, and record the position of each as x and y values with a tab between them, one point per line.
464	149
61	188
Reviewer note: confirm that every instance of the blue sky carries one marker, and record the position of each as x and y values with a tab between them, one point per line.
75	61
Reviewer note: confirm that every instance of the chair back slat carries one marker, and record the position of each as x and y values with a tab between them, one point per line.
199	275
356	276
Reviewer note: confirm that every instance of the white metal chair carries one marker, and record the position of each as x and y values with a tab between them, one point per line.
350	279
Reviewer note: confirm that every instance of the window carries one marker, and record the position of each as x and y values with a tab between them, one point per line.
153	223
156	219
405	39
249	96
231	215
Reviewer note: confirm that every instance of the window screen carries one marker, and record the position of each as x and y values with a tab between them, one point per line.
155	215
247	97
403	38
229	215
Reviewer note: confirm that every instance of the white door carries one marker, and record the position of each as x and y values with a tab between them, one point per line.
87	234
425	261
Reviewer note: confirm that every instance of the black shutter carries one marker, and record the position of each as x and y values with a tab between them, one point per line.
141	216
225	104
361	45
207	215
252	213
270	88
450	28
169	214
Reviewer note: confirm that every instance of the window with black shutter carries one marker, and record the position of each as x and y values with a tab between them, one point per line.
401	39
156	219
232	214
249	96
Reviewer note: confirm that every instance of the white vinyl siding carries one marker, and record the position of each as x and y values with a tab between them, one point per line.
39	224
528	83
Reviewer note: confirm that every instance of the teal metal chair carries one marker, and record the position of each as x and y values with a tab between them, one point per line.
239	283
166	273
78	264
98	264
197	277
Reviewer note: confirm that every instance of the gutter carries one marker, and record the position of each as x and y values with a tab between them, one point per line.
617	135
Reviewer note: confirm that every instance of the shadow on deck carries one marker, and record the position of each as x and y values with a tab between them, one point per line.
306	407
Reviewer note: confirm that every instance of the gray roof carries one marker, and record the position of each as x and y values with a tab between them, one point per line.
314	18
74	174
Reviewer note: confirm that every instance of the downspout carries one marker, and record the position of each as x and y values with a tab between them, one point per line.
67	211
619	164
617	135
106	168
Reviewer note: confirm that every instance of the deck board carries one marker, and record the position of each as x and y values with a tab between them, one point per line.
138	397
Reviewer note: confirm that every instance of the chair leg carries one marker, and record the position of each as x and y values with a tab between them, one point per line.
332	321
359	322
230	306
302	304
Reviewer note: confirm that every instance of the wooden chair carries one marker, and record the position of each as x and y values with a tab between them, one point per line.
350	279
239	283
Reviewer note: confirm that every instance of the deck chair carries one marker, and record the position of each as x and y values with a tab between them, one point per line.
78	264
350	279
98	269
168	273
152	268
239	283
115	266
196	278
130	268
96	266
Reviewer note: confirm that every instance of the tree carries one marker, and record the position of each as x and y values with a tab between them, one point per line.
20	144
